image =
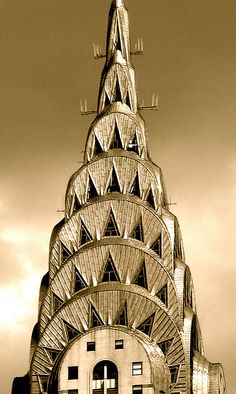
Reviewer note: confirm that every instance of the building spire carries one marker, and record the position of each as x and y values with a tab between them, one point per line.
118	79
117	98
118	31
116	264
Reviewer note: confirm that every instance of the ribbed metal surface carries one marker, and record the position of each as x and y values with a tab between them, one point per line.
116	215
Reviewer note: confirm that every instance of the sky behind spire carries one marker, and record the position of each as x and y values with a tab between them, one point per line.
46	67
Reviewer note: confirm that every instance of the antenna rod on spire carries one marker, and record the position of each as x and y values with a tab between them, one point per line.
153	106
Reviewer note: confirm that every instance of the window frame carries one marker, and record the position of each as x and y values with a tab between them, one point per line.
91	344
137	368
119	344
137	389
73	372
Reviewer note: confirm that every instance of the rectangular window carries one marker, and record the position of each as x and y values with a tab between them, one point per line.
90	346
137	368
119	344
73	373
137	390
73	391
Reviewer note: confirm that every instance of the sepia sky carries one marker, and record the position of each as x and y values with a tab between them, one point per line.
46	66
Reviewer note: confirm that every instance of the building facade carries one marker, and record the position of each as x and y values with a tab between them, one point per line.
117	310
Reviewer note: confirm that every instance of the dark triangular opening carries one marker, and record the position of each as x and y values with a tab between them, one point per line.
138	231
57	302
84	234
111	227
146	326
116	141
52	353
79	281
92	191
95	318
97	147
141	278
44	382
118	40
71	331
113	183
150	198
65	252
118	95
174	372
107	100
122	319
165	345
135	188
133	144
157	247
128	102
76	205
163	295
110	273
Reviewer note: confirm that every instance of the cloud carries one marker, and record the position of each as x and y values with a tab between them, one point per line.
14	236
19	300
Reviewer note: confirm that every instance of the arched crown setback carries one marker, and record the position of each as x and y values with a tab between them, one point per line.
116	260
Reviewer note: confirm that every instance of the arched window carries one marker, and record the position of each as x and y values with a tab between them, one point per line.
105	378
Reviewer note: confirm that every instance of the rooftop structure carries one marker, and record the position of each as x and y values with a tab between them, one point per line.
117	311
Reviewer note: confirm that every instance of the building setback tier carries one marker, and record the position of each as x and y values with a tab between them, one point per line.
117	310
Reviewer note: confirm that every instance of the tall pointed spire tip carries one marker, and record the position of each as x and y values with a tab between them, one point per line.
118	3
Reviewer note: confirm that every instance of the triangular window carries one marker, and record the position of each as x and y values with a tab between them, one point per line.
84	234
111	227
43	382
133	144
95	318
52	353
113	183
163	295
128	100
118	95
135	188
165	346
150	198
79	282
107	100
76	205
157	247
174	372
122	318
65	252
116	142
110	273
92	191
97	147
137	232
141	278
70	331
118	41
146	326
57	302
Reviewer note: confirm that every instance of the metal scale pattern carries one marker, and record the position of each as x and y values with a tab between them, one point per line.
116	213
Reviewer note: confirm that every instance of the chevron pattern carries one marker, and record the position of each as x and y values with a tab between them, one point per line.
116	260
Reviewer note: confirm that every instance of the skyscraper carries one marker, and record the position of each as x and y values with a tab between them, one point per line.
117	311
